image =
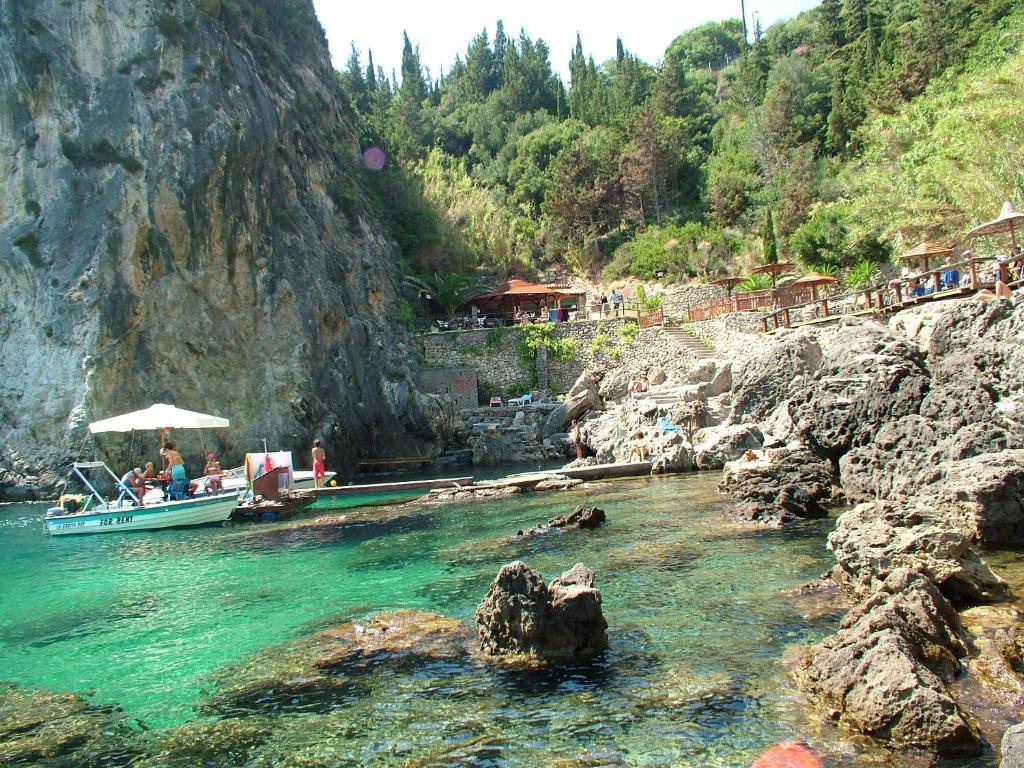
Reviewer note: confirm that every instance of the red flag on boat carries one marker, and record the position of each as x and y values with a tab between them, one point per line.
788	754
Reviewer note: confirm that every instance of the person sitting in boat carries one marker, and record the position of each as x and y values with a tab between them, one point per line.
213	472
131	481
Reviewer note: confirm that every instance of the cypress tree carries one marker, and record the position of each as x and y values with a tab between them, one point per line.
768	241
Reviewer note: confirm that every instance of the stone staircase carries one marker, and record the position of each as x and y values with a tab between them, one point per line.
689	343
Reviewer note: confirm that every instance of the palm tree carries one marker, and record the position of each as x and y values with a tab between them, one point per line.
449	291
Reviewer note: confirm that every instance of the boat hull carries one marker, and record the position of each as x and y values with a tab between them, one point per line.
302	480
170	514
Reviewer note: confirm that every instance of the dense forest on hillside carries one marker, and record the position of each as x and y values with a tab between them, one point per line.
827	138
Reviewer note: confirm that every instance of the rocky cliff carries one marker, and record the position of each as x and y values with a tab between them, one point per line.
184	219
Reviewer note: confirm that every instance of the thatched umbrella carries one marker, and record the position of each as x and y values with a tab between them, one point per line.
1009	220
925	250
728	283
773	271
813	280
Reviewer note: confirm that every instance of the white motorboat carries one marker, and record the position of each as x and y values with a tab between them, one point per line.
97	515
234	480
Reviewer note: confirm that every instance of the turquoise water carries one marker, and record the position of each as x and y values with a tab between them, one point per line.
699	622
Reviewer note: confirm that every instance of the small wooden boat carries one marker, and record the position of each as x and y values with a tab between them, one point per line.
97	515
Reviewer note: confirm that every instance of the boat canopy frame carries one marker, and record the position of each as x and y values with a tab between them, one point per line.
123	490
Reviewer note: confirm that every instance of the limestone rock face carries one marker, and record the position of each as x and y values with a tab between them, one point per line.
1012	747
714	446
767	378
876	538
785	485
883	672
864	383
183	219
521	616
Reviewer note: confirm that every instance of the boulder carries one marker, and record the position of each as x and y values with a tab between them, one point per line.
1012	747
882	673
784	485
496	449
656	376
673	458
523	617
573	408
714	446
874	539
581	517
614	384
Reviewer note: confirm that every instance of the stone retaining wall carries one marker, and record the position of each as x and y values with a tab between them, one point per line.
734	336
599	345
676	299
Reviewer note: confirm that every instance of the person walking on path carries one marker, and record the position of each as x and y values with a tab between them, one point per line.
319	469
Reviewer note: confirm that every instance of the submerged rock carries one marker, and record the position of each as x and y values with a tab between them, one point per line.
47	728
788	754
219	744
882	673
581	517
521	616
319	671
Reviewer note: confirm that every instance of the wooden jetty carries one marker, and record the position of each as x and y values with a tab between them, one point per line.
407	485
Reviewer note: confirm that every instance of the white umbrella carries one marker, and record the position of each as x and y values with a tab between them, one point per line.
159	416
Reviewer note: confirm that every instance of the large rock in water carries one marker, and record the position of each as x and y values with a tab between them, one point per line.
183	219
521	616
788	484
883	672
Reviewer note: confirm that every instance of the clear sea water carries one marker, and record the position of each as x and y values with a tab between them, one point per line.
701	619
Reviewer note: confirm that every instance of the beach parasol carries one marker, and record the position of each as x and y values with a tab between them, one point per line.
773	270
728	283
925	250
159	416
813	280
1009	221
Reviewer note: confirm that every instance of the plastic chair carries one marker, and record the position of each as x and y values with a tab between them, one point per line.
177	489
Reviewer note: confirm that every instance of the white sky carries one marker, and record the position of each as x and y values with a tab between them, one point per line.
444	29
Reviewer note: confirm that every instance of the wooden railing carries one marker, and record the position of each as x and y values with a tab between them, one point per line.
750	301
648	318
972	275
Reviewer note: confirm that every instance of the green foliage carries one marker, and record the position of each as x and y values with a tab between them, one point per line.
28	242
406	314
148	82
863	274
449	291
599	344
170	26
541	335
755	283
806	140
643	301
629	332
101	153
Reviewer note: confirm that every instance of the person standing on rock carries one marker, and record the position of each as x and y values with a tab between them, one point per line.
319	468
577	438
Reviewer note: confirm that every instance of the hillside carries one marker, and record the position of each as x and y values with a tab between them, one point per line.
716	157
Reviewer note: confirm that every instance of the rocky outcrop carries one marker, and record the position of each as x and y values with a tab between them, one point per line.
883	673
715	446
184	220
581	517
523	617
874	539
780	486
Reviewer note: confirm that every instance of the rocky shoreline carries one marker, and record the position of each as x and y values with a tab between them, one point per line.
918	424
